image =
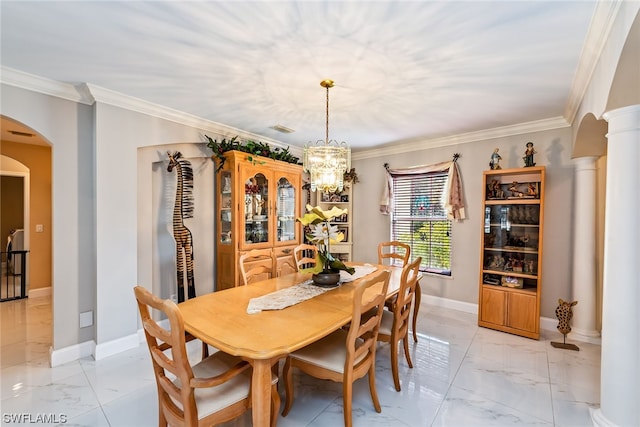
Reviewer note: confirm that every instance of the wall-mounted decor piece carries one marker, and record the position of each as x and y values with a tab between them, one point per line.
183	208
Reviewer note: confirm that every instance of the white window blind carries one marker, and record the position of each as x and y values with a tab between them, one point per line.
419	219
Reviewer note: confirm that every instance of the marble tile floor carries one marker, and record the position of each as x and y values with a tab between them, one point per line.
463	375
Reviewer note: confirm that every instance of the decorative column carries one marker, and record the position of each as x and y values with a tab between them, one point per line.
620	366
583	285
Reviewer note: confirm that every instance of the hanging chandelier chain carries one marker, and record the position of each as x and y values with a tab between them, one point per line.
327	163
326	140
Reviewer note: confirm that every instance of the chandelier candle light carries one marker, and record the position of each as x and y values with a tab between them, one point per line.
328	160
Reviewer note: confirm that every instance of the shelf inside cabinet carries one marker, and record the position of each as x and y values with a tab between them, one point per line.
510	273
530	291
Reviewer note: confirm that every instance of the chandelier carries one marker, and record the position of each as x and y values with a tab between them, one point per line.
327	161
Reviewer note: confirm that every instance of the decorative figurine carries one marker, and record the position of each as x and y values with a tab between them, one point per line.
531	190
258	203
494	163
515	192
183	208
564	315
226	187
494	191
528	155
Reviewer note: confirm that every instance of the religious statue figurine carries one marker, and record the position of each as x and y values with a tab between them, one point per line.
494	163
528	155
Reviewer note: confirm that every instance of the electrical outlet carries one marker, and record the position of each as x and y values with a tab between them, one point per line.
39	228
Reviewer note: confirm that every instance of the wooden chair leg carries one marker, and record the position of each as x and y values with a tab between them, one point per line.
394	363
416	308
347	399
405	342
372	389
287	376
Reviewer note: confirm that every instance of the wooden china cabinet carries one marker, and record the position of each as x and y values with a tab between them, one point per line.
258	200
511	250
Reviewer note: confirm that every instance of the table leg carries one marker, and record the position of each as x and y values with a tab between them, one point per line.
416	308
261	393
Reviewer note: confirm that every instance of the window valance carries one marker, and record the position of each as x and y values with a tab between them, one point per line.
452	197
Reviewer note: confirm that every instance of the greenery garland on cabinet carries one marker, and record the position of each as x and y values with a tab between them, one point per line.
250	147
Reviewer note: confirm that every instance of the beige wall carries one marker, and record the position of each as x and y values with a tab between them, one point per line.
38	159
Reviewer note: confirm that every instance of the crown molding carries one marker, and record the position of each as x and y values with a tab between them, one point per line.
89	94
117	99
600	27
425	144
20	79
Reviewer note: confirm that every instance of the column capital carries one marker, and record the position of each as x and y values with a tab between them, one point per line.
623	119
585	163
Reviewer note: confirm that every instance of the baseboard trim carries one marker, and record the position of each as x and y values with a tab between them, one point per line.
466	307
40	292
119	345
546	323
71	353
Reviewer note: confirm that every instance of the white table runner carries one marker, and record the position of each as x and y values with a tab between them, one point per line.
295	294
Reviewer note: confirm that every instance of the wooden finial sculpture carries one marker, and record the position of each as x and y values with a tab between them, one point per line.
183	208
564	315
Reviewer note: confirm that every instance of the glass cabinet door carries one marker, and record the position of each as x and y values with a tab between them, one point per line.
511	234
286	211
226	217
256	209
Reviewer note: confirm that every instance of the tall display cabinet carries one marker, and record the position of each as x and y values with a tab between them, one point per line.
511	250
258	201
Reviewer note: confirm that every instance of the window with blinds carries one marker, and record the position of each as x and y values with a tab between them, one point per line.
419	219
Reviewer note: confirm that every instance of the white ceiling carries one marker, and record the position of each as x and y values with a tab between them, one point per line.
404	71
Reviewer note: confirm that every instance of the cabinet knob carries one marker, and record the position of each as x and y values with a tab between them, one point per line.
286	251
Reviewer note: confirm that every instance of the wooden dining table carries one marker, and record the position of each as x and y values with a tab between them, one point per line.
220	319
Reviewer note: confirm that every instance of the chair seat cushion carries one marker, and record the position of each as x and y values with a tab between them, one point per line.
213	399
386	324
330	352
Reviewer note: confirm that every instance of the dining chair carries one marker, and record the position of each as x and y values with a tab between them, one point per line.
256	265
394	325
305	256
213	391
396	253
345	355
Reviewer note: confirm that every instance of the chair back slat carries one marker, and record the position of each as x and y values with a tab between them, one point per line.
256	265
305	256
396	253
406	295
363	333
176	400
